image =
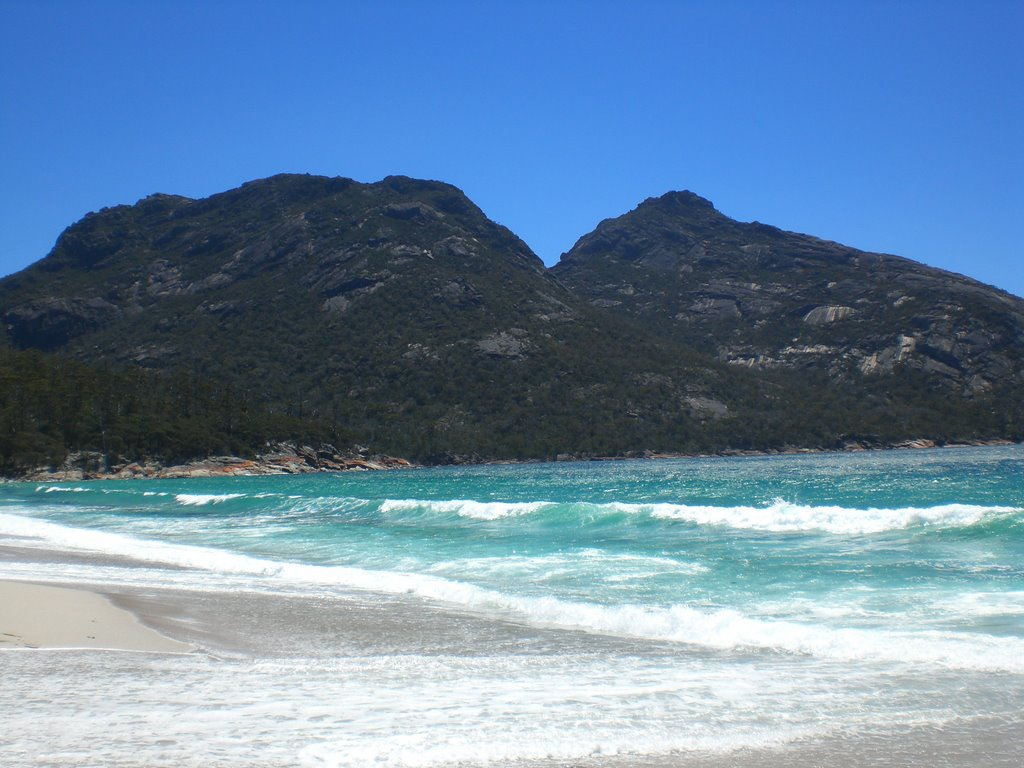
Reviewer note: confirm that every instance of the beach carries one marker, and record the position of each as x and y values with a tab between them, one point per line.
36	616
243	633
306	622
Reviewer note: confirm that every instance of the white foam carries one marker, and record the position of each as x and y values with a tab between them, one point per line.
598	565
103	542
985	604
726	629
60	489
479	510
722	629
400	710
202	499
550	742
782	516
777	517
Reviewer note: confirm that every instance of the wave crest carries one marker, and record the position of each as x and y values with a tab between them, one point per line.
202	499
782	516
778	517
478	510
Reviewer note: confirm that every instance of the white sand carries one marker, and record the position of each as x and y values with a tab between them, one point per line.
35	616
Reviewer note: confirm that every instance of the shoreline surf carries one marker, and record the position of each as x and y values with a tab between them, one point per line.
239	635
595	615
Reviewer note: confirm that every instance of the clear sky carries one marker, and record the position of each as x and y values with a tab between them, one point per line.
889	126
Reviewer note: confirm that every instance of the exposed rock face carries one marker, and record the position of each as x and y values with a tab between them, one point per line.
822	315
705	407
758	297
512	344
49	322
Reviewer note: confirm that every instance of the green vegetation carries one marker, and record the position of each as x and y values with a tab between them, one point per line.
50	406
397	316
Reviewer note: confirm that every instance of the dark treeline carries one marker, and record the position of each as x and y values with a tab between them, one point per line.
50	406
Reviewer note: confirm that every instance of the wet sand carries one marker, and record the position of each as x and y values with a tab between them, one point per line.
223	630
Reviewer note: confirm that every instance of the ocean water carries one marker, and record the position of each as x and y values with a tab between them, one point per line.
847	609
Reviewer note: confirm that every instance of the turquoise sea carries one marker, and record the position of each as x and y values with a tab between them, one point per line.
827	609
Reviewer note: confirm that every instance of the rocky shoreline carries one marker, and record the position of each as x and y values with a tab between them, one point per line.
277	459
292	459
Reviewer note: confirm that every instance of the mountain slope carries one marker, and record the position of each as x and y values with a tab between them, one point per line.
395	309
756	296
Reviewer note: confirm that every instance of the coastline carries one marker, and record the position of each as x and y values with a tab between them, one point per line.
289	459
319	642
280	459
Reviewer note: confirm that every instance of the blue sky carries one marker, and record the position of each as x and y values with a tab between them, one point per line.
889	126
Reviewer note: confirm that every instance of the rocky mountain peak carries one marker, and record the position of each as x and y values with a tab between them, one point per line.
759	297
679	203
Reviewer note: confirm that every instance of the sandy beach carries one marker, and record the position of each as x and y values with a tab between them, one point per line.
37	616
238	636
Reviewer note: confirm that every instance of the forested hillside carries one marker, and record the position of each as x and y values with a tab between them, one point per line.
50	406
397	316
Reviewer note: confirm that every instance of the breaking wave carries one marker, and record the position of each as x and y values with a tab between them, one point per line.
779	516
480	510
783	516
721	629
202	499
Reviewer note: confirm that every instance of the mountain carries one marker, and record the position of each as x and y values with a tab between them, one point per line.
396	309
755	296
399	315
